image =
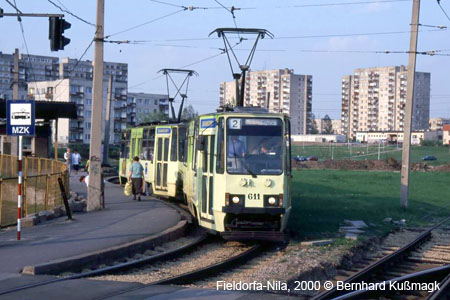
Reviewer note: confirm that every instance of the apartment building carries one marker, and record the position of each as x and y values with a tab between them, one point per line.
335	124
140	104
69	80
438	123
446	134
75	85
31	68
279	91
373	99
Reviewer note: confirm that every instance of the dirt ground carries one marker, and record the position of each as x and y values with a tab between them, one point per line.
389	164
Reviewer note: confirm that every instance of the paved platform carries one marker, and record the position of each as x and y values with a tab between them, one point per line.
122	221
96	290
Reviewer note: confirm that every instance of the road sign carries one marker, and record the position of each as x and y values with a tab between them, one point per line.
20	117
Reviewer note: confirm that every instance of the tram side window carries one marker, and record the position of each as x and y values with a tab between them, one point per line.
166	149
211	155
151	145
205	155
194	141
143	153
288	146
173	146
220	148
123	146
181	144
159	149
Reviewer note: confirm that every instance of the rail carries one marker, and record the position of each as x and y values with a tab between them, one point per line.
40	188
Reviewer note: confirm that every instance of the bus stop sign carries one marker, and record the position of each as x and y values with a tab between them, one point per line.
20	117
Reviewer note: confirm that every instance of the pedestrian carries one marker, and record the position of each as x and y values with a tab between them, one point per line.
68	159
136	176
76	158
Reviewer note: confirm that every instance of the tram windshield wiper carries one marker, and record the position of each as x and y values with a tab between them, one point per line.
246	167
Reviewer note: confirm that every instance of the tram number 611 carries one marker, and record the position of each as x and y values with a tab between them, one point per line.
253	196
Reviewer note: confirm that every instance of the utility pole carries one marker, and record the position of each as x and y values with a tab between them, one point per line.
379	149
94	190
16	144
15	140
404	189
107	121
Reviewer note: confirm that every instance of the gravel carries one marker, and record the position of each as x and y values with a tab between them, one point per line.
206	255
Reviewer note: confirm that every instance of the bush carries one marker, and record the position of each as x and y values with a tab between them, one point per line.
431	143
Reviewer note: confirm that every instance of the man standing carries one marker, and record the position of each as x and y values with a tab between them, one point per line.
137	177
76	158
236	147
68	159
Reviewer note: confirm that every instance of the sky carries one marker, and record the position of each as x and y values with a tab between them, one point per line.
312	37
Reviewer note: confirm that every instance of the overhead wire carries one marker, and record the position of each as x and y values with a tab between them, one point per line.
65	10
22	30
347	3
443	10
145	23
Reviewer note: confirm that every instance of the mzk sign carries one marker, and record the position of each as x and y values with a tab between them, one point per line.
20	117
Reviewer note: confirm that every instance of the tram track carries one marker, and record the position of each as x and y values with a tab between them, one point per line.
425	258
180	253
120	266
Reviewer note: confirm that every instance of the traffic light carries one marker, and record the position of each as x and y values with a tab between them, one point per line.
57	26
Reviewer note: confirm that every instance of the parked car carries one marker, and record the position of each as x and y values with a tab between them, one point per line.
429	157
300	158
312	158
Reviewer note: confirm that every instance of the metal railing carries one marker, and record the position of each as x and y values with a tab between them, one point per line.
40	188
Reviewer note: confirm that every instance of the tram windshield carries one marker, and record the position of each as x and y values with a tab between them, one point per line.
255	146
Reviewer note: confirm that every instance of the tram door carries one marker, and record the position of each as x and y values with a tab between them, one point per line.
207	184
162	158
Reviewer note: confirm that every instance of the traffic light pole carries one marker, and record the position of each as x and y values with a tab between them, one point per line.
31	15
94	190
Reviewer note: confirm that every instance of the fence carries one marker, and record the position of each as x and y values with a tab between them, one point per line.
40	188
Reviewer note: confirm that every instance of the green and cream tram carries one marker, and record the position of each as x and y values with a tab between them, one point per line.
233	169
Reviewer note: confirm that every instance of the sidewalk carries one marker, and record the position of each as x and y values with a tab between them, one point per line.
123	220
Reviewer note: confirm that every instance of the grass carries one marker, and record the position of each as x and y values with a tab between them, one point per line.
322	199
342	151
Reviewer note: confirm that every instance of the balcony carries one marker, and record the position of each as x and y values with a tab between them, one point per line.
80	106
122	97
77	94
76	129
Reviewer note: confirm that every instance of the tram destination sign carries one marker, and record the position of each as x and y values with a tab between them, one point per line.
20	117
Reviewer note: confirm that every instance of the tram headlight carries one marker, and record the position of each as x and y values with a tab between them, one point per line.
235	199
272	200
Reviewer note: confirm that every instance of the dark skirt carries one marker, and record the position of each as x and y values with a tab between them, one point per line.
137	185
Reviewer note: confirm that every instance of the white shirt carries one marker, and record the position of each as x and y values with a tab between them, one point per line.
76	158
67	157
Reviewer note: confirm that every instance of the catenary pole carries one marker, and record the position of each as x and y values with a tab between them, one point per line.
107	121
404	188
94	190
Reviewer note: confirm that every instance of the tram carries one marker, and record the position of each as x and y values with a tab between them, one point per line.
232	169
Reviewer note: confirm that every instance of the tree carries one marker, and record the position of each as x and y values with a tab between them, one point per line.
155	116
189	113
328	127
313	129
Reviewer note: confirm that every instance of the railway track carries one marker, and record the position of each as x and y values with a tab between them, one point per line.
423	260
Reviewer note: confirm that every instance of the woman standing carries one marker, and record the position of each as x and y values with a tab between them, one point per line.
137	177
